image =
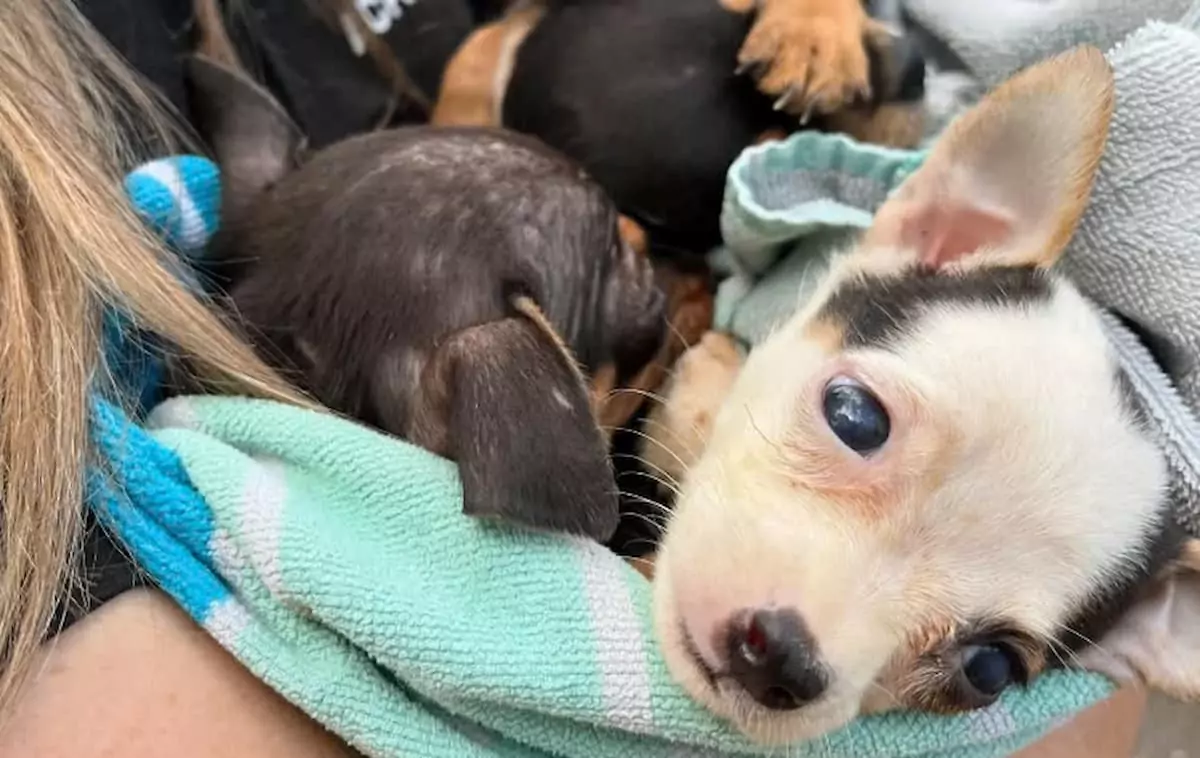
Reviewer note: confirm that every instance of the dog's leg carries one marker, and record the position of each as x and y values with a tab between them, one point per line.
476	78
809	54
677	429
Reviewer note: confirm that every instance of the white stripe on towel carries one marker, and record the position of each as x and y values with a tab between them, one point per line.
226	621
193	231
261	520
176	413
620	644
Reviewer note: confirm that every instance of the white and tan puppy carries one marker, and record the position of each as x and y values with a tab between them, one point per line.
930	483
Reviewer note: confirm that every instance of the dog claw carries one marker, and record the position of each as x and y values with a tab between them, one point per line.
784	99
807	115
744	66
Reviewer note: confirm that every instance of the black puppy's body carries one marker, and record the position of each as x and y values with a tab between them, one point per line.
439	284
643	93
647	96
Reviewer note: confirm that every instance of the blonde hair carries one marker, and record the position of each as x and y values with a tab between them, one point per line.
70	247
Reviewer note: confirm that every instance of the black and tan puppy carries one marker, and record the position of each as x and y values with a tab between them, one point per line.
454	287
656	98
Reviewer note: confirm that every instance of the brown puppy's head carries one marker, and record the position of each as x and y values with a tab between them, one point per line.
929	484
454	287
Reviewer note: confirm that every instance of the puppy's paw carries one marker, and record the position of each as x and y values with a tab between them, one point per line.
810	54
677	429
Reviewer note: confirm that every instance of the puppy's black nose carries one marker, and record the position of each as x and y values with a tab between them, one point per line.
775	659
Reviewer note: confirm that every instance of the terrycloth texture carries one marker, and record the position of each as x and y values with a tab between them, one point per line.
996	38
1138	249
336	564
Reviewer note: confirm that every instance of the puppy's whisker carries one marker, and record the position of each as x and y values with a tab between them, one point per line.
648	394
674	330
641	541
646	501
1053	647
1086	640
648	521
650	438
666	448
886	691
633	497
666	481
639	560
758	430
677	435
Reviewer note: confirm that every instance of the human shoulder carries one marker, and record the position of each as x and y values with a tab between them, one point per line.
138	678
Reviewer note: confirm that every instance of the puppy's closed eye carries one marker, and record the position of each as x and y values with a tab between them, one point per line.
969	670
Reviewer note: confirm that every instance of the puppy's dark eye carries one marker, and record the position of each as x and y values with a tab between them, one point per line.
856	416
989	670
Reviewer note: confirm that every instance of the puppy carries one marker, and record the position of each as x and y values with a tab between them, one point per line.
656	98
458	288
930	484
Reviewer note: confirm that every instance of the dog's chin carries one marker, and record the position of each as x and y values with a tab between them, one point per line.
727	701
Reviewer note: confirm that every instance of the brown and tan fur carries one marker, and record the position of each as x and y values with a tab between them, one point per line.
1014	487
813	49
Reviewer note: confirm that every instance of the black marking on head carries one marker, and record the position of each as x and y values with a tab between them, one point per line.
876	310
1103	608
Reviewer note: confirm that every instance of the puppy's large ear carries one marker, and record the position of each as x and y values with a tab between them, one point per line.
254	139
1011	177
1157	642
511	407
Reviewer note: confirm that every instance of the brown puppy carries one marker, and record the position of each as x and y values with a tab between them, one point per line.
929	484
453	287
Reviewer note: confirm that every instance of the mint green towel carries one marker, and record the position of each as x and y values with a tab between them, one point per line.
351	582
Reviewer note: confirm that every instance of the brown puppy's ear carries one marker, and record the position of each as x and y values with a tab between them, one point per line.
1157	641
512	409
1012	175
254	139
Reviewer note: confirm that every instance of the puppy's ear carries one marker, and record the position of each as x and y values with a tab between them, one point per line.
1157	641
254	139
515	414
1012	176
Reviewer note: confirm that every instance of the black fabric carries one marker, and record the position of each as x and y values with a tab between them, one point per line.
106	571
152	36
308	65
330	91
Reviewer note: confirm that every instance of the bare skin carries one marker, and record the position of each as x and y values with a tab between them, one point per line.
138	679
141	680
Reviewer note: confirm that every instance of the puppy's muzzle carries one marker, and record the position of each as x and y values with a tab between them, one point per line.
774	659
771	656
